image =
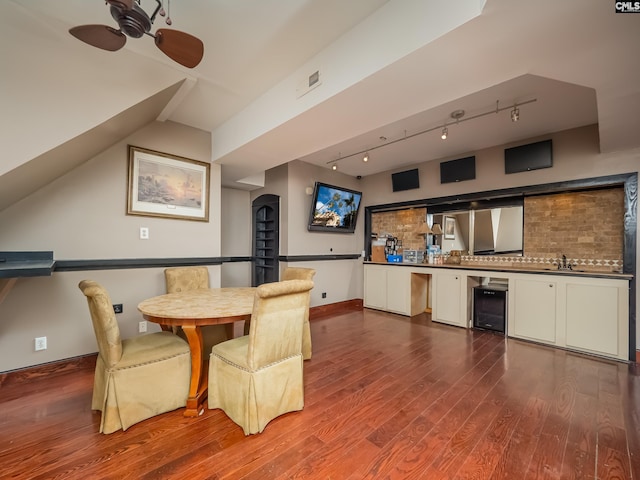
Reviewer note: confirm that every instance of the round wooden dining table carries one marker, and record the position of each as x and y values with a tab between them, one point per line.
192	310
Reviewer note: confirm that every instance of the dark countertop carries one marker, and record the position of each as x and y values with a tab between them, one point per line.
579	272
26	264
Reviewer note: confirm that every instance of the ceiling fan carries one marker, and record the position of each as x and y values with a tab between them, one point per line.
134	22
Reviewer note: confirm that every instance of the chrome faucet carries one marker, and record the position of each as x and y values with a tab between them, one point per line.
564	265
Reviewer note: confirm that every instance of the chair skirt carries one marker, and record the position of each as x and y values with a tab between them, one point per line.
253	398
142	385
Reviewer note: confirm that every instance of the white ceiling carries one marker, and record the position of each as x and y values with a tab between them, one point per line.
574	58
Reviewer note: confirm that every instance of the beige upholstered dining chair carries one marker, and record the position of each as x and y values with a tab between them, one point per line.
180	279
136	378
257	377
298	273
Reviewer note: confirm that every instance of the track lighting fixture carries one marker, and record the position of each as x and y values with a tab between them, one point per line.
456	115
515	114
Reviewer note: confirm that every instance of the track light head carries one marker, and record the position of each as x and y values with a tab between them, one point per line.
515	114
456	117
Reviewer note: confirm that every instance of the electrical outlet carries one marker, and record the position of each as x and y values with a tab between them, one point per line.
41	343
142	326
144	233
324	294
117	308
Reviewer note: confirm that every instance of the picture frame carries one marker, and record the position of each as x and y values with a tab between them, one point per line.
449	228
168	186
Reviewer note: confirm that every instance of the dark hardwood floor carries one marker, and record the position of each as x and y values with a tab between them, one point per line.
385	397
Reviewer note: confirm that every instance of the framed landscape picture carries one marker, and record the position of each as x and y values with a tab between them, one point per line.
164	185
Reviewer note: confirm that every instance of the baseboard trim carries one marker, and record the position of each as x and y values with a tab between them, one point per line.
59	367
335	308
637	356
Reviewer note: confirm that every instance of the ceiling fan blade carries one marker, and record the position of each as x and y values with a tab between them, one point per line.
101	36
185	49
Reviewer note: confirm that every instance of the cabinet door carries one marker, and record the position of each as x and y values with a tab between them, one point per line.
375	287
447	304
535	310
592	318
398	290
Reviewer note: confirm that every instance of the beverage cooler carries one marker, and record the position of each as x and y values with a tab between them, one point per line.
490	308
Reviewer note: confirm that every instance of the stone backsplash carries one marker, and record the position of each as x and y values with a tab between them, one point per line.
586	226
403	224
603	265
582	225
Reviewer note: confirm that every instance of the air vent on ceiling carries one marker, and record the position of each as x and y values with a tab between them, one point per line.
308	83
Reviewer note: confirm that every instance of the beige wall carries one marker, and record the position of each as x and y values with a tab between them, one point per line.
236	237
575	155
82	216
341	279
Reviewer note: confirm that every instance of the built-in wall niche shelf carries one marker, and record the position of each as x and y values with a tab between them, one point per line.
14	265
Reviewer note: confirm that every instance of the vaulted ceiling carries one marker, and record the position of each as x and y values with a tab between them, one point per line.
388	70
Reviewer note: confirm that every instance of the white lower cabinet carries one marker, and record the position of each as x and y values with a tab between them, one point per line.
399	291
585	314
448	302
387	288
593	319
375	287
534	310
582	313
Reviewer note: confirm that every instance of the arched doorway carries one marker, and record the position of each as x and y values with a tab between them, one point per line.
266	239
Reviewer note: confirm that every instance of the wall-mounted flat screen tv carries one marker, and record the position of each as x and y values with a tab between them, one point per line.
407	180
458	170
528	157
333	209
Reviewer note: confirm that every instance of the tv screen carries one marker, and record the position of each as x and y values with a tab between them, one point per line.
528	157
458	170
333	209
405	180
